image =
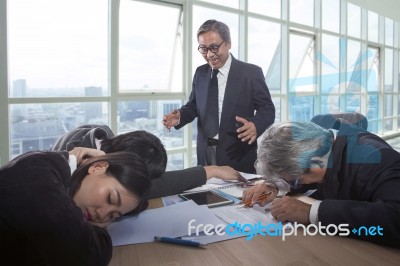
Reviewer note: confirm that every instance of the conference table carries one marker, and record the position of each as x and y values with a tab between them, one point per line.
261	250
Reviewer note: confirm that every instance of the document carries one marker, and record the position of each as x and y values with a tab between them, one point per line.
253	215
170	221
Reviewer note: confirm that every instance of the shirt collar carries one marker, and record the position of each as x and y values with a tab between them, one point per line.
225	69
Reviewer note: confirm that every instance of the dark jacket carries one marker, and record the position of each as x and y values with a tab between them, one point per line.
362	185
247	96
39	221
82	136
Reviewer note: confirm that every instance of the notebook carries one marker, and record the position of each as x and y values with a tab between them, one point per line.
235	190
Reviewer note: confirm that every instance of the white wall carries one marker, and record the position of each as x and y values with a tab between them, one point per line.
388	8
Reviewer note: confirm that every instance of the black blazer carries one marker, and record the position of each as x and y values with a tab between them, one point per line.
246	95
40	223
361	185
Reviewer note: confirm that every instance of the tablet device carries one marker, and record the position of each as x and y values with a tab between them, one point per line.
206	197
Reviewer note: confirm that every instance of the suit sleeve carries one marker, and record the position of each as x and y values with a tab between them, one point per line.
175	182
188	111
374	200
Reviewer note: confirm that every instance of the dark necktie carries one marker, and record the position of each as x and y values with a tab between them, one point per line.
212	123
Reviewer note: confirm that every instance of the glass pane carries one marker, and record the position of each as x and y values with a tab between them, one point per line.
302	11
270	8
175	161
373	110
301	63
147	115
264	50
373	113
57	48
388	70
228	3
150	55
38	126
353	102
389	31
353	20
373	26
388	124
200	15
301	108
354	63
373	69
331	15
277	104
388	105
329	58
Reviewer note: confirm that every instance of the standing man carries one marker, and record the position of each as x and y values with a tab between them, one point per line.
229	123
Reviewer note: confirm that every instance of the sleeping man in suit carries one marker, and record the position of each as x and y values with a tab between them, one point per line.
243	107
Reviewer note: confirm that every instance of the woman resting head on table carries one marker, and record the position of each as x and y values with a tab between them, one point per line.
49	217
355	173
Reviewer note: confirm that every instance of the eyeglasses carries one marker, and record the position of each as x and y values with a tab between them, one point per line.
213	48
295	183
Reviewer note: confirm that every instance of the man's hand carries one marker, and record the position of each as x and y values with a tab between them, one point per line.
291	209
252	194
171	119
82	153
247	132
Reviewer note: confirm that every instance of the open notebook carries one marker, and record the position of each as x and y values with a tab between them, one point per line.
235	190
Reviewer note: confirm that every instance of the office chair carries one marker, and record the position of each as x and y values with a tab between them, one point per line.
326	120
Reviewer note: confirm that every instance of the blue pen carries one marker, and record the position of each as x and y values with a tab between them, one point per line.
178	241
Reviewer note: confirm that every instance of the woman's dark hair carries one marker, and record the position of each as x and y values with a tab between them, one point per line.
143	143
128	168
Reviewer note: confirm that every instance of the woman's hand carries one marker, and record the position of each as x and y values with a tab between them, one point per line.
82	153
224	173
251	196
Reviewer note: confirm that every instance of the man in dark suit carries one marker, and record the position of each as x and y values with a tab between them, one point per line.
244	110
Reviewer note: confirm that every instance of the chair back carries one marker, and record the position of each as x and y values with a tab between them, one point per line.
326	120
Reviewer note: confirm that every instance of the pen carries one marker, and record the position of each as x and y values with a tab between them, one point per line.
261	197
178	241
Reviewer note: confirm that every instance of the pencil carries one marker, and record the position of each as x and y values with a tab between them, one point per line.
178	241
261	197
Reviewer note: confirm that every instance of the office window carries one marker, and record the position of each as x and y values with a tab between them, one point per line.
331	15
330	79
388	70
278	108
373	26
38	126
271	8
55	54
301	63
372	86
150	47
147	115
389	30
353	20
228	3
57	48
62	71
302	12
301	76
264	50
